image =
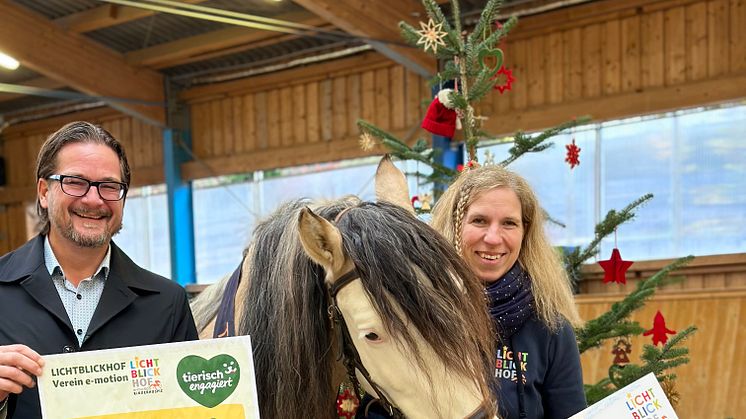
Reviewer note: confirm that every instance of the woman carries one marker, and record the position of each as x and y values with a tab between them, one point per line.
493	218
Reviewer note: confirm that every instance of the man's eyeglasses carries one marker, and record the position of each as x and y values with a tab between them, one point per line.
78	186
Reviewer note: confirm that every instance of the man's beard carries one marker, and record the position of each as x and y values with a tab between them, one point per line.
67	230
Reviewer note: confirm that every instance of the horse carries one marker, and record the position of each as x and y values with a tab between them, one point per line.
410	316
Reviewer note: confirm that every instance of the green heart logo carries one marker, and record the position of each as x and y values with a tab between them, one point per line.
208	382
497	53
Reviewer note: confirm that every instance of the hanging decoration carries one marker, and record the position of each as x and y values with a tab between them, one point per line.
659	331
615	268
426	200
347	404
507	75
366	141
621	350
431	35
440	118
489	157
573	154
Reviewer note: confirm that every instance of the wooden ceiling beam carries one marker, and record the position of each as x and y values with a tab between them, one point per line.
377	20
215	43
84	65
105	16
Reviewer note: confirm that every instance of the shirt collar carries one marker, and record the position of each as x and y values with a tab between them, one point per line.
50	260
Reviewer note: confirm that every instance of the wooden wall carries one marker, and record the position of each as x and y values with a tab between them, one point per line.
301	116
617	58
712	384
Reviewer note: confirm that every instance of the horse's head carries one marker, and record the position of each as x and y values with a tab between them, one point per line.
410	306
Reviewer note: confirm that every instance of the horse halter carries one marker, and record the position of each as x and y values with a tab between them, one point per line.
347	350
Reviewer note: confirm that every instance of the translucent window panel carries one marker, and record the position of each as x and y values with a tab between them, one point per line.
223	222
639	158
144	236
711	178
567	195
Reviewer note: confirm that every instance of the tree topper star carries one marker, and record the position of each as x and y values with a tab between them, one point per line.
431	35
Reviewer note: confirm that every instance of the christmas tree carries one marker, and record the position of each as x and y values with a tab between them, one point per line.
473	62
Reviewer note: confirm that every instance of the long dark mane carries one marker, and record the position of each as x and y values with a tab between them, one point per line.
396	255
285	314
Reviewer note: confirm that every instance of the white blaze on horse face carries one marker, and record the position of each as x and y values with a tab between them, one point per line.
435	394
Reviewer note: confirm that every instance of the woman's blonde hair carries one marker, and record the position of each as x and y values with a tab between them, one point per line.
549	282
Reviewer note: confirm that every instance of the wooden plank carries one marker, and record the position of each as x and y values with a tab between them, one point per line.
326	110
412	111
339	108
299	113
369	95
354	105
715	281
396	76
653	57
611	75
238	135
273	119
572	72
519	96
555	67
216	146
135	157
201	134
675	45
262	130
286	116
735	280
248	118
718	51
313	112
105	16
226	111
536	68
156	150
696	41
591	61
737	36
378	20
631	54
383	99
651	100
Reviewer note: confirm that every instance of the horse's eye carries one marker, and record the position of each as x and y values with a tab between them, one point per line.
372	336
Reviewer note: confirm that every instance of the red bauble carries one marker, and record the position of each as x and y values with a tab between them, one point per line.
659	330
615	268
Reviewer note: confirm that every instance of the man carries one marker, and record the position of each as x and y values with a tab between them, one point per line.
71	288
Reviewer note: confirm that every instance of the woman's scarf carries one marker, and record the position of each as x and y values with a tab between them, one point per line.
510	301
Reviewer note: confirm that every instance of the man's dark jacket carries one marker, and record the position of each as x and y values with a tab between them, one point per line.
137	307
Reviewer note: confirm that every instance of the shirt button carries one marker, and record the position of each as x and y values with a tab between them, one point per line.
80	297
68	349
80	331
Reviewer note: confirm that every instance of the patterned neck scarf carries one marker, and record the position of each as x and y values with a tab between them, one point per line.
510	301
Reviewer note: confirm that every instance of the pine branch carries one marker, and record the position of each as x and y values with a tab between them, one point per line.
524	144
613	219
487	17
609	325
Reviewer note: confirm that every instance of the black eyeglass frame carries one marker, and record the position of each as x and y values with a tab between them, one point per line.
61	178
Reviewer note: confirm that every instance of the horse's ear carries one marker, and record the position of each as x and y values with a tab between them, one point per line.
391	185
321	240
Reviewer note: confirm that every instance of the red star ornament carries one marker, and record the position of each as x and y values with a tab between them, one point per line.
347	404
509	79
659	330
573	154
615	268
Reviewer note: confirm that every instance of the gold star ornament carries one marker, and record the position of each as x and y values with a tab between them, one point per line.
431	35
